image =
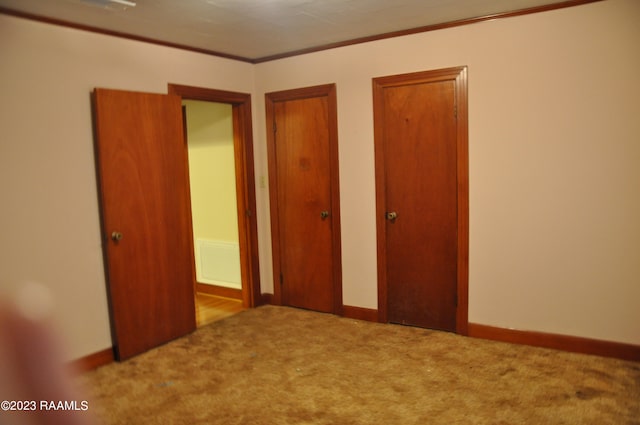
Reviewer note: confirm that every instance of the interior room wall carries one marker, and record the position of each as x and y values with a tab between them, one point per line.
49	218
554	162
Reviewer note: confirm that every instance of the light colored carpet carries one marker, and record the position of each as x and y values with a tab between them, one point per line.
279	365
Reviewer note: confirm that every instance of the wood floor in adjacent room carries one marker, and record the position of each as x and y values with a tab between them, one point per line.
210	308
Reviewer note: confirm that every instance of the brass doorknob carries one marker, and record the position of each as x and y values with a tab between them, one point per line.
324	214
391	215
116	236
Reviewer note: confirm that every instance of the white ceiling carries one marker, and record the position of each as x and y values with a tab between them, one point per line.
254	30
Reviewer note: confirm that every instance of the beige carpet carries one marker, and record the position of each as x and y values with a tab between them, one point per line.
278	365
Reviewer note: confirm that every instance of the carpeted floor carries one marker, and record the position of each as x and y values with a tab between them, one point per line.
279	365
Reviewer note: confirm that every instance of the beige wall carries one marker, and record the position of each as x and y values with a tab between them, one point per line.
554	140
554	161
49	223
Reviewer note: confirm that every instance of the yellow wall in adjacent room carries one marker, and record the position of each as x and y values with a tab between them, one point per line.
212	171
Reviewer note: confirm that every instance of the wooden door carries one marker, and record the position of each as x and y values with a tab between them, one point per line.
420	181
146	218
305	211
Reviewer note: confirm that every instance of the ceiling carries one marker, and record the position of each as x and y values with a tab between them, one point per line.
258	30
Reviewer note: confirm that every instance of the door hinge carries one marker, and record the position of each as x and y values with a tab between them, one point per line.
281	279
275	127
248	212
455	111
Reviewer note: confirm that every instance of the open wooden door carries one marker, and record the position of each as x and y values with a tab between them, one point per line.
146	218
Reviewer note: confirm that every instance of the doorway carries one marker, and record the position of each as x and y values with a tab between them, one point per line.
302	145
236	239
420	136
212	179
141	161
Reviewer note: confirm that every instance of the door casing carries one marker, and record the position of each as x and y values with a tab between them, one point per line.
245	182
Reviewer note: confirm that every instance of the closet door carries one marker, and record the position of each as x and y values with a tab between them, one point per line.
421	181
304	198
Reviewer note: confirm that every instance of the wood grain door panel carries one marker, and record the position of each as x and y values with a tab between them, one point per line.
144	196
421	178
302	150
420	171
305	206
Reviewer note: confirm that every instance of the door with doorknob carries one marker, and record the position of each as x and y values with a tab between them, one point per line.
302	142
146	218
421	186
